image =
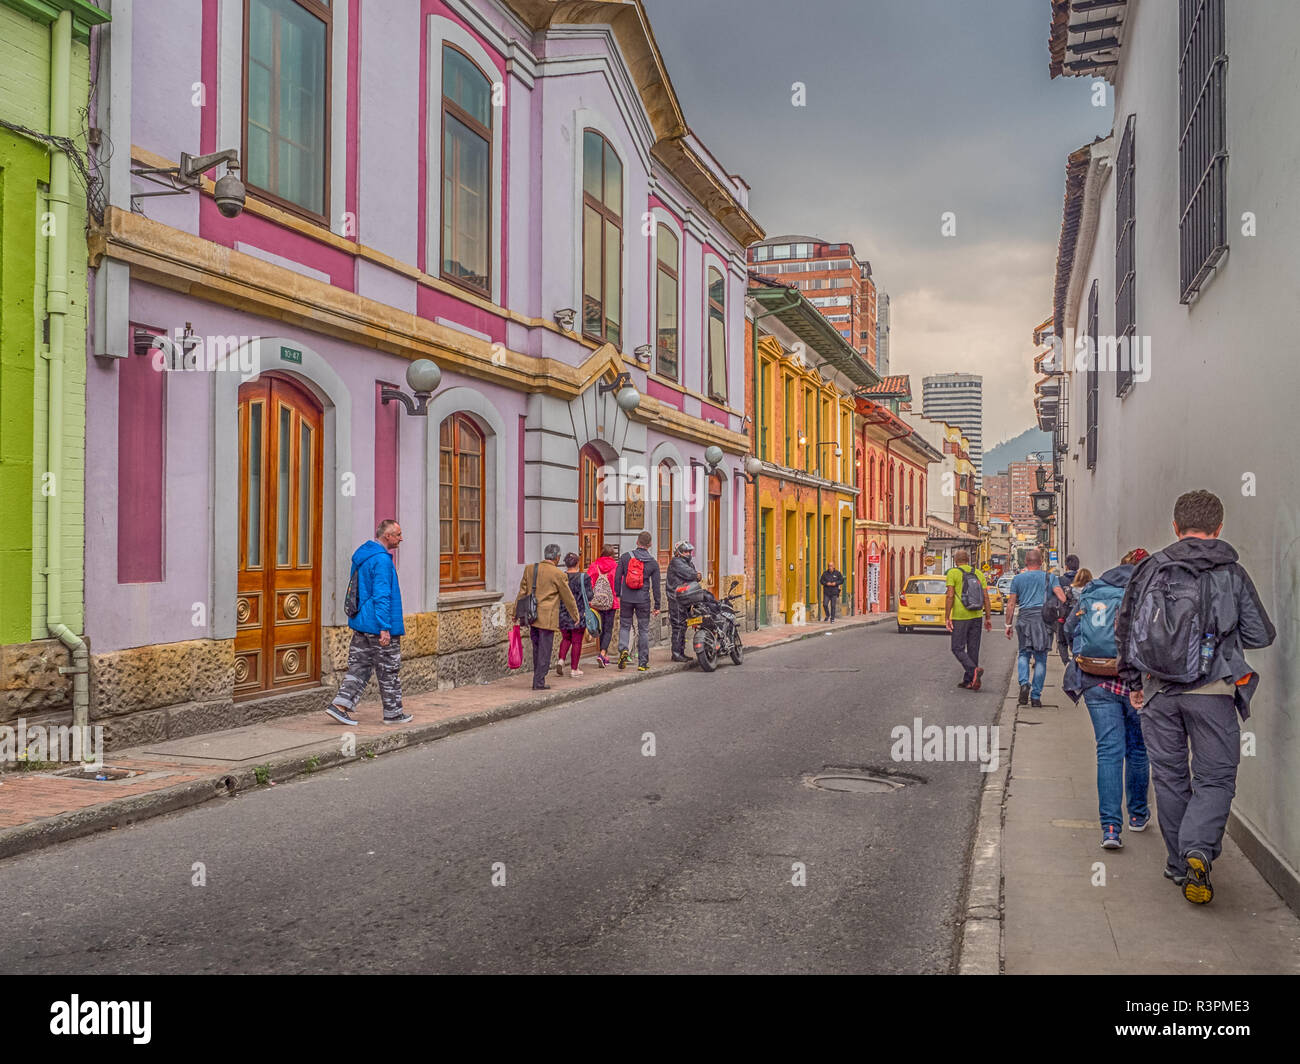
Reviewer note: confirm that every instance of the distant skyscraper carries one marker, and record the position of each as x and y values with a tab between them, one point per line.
958	398
882	332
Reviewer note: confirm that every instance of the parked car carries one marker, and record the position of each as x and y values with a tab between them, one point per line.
920	604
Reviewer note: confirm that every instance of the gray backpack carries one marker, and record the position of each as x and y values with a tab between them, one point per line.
972	594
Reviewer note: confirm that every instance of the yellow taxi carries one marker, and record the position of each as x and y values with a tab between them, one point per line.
997	604
920	604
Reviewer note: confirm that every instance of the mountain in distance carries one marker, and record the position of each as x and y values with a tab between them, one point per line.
1016	450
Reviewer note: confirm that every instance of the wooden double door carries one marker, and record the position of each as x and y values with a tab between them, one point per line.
277	612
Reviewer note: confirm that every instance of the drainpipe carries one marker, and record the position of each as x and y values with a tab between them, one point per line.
56	303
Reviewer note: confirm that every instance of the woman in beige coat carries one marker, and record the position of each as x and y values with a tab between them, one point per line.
552	589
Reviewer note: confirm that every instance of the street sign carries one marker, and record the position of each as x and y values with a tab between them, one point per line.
1051	557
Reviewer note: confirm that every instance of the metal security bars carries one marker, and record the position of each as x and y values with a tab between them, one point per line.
1125	268
1092	376
1202	143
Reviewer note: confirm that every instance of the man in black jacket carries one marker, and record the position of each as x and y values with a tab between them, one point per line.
832	580
634	602
1203	713
681	570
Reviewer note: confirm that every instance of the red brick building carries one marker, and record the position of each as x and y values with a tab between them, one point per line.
998	487
1023	481
831	277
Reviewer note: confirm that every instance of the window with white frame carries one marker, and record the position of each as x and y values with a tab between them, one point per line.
717	384
602	239
667	290
466	247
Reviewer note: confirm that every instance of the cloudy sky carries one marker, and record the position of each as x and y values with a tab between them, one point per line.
913	108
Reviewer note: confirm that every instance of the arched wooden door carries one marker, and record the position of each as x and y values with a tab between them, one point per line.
715	533
277	613
591	507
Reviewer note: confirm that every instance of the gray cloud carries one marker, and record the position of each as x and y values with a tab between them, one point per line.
914	107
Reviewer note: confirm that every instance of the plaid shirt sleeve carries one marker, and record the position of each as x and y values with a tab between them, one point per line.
1116	687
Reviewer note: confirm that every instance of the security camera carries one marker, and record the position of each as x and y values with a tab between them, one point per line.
230	194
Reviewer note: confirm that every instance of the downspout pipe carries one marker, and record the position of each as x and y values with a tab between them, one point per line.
56	305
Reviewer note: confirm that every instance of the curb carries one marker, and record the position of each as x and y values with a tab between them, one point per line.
121	812
980	944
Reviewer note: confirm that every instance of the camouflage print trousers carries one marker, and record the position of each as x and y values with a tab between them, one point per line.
364	656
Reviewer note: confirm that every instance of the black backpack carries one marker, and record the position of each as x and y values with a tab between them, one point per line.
352	600
972	593
1171	622
1053	608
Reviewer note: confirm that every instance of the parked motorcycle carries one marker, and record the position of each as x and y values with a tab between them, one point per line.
711	623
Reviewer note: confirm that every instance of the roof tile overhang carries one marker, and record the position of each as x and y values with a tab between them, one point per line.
631	28
898	386
1076	176
792	310
938	529
1085	37
876	414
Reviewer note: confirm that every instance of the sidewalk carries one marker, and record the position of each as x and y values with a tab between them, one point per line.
1054	920
42	808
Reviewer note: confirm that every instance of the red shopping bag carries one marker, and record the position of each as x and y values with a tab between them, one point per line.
515	655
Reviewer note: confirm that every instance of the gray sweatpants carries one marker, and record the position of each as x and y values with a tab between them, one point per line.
1192	807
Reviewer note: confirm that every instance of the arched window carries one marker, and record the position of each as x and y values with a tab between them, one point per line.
666	293
891	495
466	255
871	488
664	515
602	239
718	336
911	497
460	498
923	502
862	495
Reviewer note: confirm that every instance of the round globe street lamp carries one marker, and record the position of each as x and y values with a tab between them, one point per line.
423	377
626	395
713	457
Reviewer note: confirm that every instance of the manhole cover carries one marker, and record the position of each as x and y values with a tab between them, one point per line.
863	783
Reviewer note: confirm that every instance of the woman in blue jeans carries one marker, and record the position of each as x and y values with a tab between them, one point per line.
1121	753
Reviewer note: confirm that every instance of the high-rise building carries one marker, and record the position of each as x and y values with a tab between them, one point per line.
882	333
958	398
998	486
833	279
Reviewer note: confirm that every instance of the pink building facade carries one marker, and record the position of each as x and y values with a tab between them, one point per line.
514	196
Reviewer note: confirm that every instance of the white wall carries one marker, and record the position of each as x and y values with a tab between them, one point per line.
1220	403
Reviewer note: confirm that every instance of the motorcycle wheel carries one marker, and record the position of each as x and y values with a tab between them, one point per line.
737	649
707	654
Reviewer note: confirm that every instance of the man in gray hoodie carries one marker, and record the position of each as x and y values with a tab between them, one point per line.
1202	713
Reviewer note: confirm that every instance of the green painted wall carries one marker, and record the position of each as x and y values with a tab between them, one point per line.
24	167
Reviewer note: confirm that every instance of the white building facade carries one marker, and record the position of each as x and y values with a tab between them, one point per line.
1180	234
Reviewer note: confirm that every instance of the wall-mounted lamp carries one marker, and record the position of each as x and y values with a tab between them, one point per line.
627	397
565	318
642	354
713	456
746	420
423	376
803	440
752	468
229	191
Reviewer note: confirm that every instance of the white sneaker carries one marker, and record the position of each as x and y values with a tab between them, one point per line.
575	672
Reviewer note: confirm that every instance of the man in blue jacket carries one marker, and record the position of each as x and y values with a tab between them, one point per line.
377	629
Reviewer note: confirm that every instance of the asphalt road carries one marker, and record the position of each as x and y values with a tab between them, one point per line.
612	860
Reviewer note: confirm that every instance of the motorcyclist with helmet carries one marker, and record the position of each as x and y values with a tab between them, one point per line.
681	571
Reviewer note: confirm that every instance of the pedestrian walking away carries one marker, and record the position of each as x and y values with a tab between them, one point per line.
1065	596
634	580
1029	590
1092	674
373	604
965	610
681	571
550	585
573	626
832	581
603	599
1189	613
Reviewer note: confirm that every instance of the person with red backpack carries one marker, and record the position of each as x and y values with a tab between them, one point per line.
603	600
637	574
1188	615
